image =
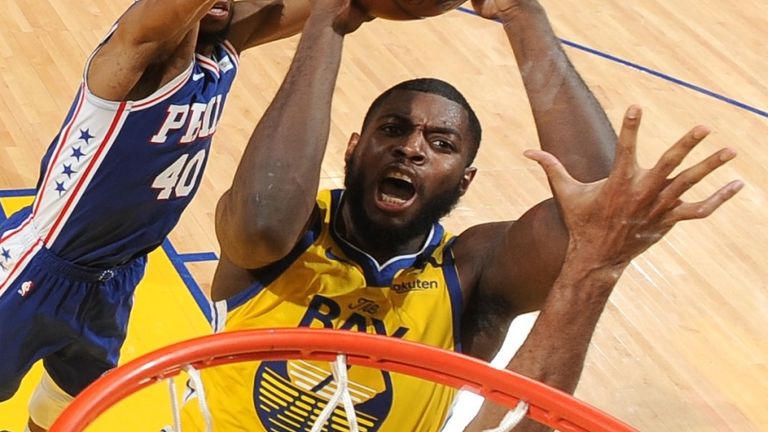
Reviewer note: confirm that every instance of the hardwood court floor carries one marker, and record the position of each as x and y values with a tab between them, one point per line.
683	344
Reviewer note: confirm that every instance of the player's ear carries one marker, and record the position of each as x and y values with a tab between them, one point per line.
466	179
351	144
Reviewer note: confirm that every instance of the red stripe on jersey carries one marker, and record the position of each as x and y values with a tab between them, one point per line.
214	71
20	263
205	61
84	177
10	233
230	49
62	143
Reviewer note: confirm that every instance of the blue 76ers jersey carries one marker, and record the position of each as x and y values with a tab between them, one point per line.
117	177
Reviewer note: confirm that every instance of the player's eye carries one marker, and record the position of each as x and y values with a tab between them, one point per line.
443	144
392	129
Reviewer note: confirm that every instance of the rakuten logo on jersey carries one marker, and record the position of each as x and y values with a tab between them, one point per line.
197	120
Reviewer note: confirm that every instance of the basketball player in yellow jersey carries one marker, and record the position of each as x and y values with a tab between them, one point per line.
374	257
327	283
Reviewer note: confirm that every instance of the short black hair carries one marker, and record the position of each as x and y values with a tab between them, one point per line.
440	88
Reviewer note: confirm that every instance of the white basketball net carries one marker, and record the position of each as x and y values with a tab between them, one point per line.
340	396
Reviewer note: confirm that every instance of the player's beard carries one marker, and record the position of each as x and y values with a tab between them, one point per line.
434	210
214	38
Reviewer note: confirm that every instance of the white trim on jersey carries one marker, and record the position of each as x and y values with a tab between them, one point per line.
63	137
165	91
219	315
12	232
207	63
69	180
230	49
75	192
25	252
16	242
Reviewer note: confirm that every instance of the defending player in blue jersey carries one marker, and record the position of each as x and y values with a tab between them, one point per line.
114	182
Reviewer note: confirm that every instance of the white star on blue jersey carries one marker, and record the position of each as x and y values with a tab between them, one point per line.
68	170
77	153
85	135
60	188
6	254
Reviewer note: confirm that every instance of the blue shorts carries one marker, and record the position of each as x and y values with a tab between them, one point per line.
72	317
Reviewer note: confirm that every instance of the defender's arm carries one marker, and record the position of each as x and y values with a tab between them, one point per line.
151	31
257	22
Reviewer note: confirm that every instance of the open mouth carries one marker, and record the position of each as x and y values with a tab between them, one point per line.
220	9
395	192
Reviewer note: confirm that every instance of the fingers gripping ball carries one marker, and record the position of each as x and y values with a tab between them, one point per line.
408	9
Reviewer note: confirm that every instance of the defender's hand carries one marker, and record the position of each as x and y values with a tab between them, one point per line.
347	15
502	10
613	220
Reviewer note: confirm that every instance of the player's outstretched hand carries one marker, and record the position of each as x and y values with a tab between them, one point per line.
347	15
502	10
615	219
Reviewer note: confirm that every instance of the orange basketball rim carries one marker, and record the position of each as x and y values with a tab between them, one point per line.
546	405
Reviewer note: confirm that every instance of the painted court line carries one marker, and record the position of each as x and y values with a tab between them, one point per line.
193	287
678	81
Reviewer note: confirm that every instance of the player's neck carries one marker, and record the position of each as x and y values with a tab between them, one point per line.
381	247
206	42
205	49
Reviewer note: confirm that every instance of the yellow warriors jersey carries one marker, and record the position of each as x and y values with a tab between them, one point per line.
325	282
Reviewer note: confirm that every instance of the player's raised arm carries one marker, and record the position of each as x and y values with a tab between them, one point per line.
610	222
526	255
570	122
256	22
158	22
263	214
150	32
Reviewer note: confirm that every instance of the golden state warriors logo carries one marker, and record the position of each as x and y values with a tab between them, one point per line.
289	396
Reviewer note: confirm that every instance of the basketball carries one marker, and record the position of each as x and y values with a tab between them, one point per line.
408	9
